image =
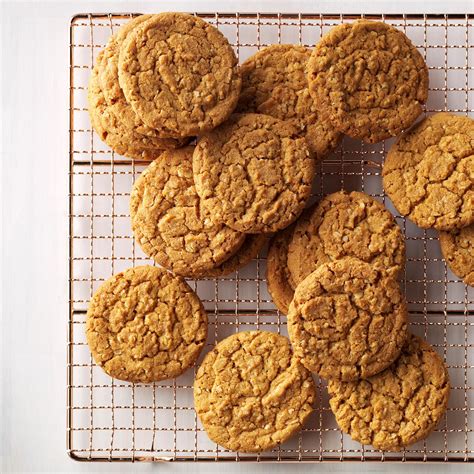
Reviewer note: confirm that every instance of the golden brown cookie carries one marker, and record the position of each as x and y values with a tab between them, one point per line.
253	173
458	251
368	79
347	320
145	325
429	172
274	83
169	222
279	280
397	407
179	74
106	121
107	67
251	393
249	250
346	224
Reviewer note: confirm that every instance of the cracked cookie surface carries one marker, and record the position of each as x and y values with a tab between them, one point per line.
397	407
253	173
347	320
251	393
107	66
170	223
249	250
429	172
179	74
274	83
369	80
145	325
279	279
107	122
342	225
458	251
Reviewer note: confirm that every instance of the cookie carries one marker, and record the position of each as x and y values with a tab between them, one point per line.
368	79
274	83
106	120
253	173
397	407
145	325
179	74
458	251
429	172
107	67
346	224
279	280
249	250
347	320
251	393
169	222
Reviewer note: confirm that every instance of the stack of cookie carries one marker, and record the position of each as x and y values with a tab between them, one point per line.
207	210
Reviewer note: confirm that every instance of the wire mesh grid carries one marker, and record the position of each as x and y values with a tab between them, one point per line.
111	420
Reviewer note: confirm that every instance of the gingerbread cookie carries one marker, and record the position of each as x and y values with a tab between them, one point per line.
458	251
107	67
253	173
274	83
429	172
251	393
145	325
106	121
346	224
398	406
169	222
347	320
279	279
179	74
368	79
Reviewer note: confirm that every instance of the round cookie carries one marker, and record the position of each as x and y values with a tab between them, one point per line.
347	320
179	74
251	393
106	121
458	251
398	406
145	325
346	224
107	66
169	222
249	250
368	79
279	280
274	83
253	173
429	172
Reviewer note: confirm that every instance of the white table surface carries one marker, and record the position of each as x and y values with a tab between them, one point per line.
34	170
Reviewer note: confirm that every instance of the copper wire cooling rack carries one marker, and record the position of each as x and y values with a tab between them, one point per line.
110	420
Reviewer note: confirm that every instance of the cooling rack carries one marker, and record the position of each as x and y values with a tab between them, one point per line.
110	420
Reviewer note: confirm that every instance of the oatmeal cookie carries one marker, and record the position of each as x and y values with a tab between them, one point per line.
279	281
253	173
169	222
145	325
106	121
179	74
347	320
274	83
429	172
250	393
346	224
107	68
368	79
458	251
397	407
